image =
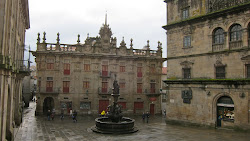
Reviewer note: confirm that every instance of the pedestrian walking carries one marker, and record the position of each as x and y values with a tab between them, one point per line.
53	114
48	114
70	113
143	117
164	112
147	116
74	116
62	114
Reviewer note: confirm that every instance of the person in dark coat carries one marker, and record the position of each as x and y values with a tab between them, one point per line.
147	116
48	114
74	116
143	117
62	114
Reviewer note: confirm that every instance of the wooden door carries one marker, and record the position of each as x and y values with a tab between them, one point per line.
138	106
152	109
103	105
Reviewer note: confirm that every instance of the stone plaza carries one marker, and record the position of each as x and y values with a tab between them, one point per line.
37	128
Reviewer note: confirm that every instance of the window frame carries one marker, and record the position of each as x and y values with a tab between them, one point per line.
139	88
66	85
185	73
185	13
122	85
236	33
86	84
49	86
66	68
218	36
187	41
247	71
217	74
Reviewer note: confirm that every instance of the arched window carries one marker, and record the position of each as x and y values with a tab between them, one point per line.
235	33
218	36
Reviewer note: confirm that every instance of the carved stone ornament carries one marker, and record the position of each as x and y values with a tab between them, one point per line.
246	58
186	64
186	95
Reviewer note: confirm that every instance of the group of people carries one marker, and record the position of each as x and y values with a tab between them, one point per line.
51	115
145	116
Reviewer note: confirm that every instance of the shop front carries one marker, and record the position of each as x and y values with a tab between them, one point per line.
225	111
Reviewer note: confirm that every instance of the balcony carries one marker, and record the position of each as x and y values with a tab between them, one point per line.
23	68
235	45
105	74
218	47
152	92
48	90
104	91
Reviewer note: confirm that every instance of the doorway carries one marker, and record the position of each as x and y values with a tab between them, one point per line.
103	105
225	110
48	104
138	107
152	109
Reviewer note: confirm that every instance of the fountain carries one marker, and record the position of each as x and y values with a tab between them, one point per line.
114	122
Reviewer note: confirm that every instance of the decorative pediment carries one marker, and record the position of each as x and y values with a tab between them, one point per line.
246	58
186	63
219	63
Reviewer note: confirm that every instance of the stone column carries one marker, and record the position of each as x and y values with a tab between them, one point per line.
1	101
244	37
4	107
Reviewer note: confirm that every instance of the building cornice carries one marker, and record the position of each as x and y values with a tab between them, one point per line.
78	54
209	81
209	53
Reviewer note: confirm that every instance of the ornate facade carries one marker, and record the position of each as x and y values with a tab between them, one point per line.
79	76
14	20
208	62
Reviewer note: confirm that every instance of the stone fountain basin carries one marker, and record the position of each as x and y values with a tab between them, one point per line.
105	125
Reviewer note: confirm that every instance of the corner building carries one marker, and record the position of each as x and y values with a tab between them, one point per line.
80	76
14	21
208	62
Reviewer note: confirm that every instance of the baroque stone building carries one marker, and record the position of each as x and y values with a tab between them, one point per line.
80	76
208	62
14	20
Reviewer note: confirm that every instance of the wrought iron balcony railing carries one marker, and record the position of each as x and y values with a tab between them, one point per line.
104	91
152	92
105	74
49	90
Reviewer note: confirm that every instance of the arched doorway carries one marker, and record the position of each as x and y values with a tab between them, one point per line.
48	104
225	110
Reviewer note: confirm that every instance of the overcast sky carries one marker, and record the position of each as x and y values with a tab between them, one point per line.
141	20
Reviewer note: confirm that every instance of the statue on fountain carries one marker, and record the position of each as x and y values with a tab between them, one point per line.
116	87
114	111
114	122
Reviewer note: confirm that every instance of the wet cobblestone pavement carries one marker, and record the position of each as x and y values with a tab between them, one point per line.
37	128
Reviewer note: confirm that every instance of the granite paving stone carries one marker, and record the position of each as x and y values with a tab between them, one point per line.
37	128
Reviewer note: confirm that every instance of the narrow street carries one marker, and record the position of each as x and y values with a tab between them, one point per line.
37	128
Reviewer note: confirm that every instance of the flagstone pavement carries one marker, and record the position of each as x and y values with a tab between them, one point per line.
37	128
